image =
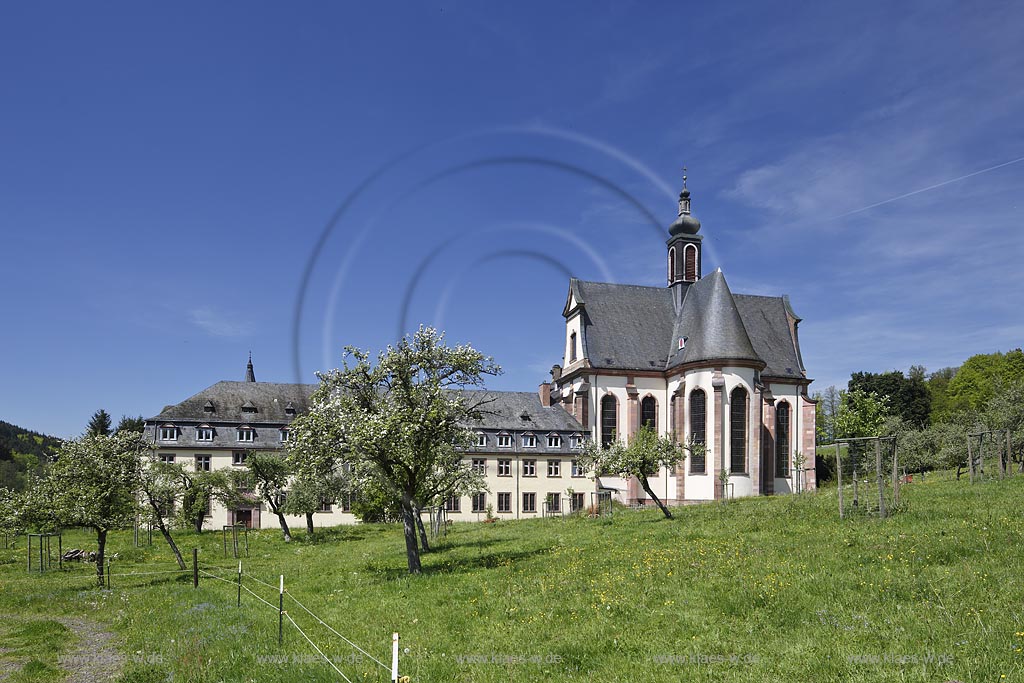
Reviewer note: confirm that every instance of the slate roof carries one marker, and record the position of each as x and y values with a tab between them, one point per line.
269	398
766	322
504	409
499	409
632	327
625	326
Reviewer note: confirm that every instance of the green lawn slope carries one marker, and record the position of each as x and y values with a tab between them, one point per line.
775	589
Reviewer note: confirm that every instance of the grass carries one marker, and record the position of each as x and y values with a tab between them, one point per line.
774	589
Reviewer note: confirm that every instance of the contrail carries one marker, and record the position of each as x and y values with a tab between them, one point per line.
926	189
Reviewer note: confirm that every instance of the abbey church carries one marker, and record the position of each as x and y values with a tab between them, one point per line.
695	360
691	359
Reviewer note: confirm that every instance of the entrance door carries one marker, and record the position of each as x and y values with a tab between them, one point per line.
244	517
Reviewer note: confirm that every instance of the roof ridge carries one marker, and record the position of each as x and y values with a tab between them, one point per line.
760	296
621	284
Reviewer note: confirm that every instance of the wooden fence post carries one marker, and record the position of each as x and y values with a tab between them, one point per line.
970	458
882	512
839	472
280	614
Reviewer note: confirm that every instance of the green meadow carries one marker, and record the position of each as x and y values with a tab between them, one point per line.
770	589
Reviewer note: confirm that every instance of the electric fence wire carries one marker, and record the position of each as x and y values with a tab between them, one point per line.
319	651
329	628
310	613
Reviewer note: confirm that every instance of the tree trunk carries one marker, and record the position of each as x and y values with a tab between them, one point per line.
424	543
101	544
284	526
647	488
412	551
309	523
166	533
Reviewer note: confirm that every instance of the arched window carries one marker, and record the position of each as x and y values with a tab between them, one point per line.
609	419
649	412
738	430
782	440
572	347
690	257
671	265
698	429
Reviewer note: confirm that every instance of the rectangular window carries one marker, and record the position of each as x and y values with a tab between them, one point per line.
453	504
554	441
168	433
529	502
479	465
238	457
325	506
554	468
479	502
577	501
167	458
504	502
204	433
202	463
576	441
554	502
577	469
346	502
504	467
481	440
529	441
286	435
529	468
504	441
246	434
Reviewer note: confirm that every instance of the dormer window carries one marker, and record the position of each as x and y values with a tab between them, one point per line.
289	409
246	434
529	441
208	407
168	433
504	441
204	433
576	441
554	441
481	440
248	407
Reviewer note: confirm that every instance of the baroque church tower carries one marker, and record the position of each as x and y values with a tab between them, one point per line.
684	248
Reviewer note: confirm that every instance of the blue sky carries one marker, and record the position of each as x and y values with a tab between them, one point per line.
168	174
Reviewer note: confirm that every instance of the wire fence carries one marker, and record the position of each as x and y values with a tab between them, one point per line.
238	579
239	582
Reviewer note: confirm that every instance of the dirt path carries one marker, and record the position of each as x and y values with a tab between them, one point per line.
95	657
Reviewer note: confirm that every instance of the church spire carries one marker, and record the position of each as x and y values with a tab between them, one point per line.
684	198
684	246
250	376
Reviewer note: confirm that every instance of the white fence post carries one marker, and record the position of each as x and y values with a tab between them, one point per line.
394	658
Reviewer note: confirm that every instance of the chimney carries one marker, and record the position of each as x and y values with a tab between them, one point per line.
544	390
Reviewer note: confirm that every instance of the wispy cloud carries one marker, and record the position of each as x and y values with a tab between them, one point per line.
218	324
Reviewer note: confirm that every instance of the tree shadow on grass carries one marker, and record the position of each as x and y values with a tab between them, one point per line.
434	564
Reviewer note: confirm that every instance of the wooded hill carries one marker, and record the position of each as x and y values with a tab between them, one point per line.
22	451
